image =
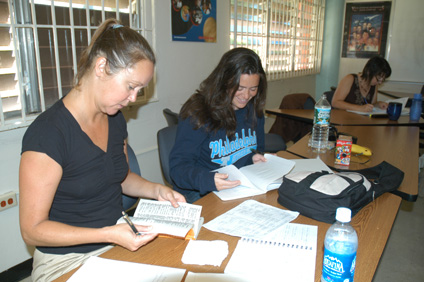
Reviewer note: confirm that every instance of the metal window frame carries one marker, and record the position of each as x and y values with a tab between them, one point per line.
139	21
300	14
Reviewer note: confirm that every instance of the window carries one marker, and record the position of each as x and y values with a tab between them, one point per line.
286	34
40	45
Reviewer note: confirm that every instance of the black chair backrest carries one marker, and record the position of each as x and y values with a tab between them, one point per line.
166	139
309	104
170	116
127	201
329	95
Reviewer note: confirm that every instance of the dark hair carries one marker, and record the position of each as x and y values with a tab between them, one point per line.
211	105
376	66
120	45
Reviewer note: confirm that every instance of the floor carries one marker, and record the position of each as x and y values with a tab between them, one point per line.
403	257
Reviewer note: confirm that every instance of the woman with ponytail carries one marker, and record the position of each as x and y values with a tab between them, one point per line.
74	165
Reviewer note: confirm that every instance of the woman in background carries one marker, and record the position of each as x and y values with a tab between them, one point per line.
358	92
221	124
74	165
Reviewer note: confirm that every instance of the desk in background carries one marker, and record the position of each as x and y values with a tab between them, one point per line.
342	117
395	145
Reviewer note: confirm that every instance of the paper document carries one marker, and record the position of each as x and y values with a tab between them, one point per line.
184	221
310	165
217	277
378	111
255	179
108	270
251	219
290	257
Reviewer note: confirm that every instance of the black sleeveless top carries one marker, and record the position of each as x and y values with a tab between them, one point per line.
355	96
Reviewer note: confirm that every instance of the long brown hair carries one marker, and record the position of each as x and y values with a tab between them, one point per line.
211	105
120	45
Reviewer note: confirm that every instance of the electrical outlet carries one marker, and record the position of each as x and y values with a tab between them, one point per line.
7	200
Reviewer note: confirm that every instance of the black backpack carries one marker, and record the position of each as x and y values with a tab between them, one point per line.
318	194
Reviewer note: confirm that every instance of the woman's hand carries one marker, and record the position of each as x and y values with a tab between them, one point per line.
221	183
381	105
367	108
167	194
124	236
258	158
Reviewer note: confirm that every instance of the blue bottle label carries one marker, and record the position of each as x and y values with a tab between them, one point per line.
322	116
338	267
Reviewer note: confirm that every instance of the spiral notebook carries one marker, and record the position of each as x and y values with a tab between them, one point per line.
289	256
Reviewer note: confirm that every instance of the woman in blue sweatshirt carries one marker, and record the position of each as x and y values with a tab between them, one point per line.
221	124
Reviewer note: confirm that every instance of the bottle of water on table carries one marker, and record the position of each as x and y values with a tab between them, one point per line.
321	127
340	245
416	107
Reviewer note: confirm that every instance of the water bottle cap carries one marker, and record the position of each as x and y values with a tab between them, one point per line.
343	214
418	96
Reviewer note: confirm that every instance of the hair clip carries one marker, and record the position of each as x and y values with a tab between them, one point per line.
115	26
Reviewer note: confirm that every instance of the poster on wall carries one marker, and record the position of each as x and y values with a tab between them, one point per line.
365	29
193	20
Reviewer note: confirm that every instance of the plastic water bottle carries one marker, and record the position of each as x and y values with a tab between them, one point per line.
341	243
321	127
416	108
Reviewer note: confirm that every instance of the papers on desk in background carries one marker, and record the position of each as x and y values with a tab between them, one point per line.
108	270
310	165
255	179
377	111
251	219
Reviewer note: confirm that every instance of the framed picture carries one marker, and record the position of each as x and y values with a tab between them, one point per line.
193	20
365	29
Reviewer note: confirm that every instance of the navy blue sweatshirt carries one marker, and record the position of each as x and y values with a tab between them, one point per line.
197	152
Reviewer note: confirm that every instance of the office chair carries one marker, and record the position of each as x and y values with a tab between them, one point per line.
166	139
170	116
288	129
273	142
127	201
329	95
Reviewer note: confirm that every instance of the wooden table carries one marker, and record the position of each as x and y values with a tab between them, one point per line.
373	225
342	117
395	145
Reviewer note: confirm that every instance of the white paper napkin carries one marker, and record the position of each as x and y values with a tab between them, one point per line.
205	252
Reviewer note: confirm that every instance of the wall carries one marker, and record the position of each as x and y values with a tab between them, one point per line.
404	49
331	46
181	66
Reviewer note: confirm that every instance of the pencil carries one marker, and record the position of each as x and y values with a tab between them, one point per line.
128	220
365	99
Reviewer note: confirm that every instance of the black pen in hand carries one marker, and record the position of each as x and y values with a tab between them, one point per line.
128	220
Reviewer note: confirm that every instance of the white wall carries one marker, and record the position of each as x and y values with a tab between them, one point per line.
181	66
404	49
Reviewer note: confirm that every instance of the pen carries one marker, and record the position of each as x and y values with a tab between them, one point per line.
256	151
128	220
365	99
